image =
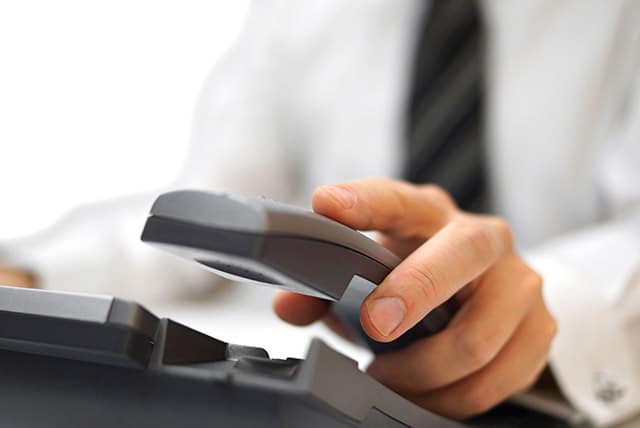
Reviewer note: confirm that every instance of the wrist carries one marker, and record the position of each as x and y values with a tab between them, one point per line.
16	277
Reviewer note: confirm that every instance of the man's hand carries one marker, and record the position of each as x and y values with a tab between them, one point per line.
497	343
16	277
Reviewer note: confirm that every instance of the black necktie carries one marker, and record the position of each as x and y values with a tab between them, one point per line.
445	108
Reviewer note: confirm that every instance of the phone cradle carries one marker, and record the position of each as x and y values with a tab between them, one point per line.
70	360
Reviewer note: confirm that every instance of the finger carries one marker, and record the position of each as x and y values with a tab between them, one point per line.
299	309
14	277
452	258
401	247
480	329
515	369
387	205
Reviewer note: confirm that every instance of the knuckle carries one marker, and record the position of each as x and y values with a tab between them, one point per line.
504	230
532	282
474	234
401	198
478	349
423	280
438	195
398	193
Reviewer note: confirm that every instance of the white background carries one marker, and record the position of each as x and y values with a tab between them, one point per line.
96	100
96	97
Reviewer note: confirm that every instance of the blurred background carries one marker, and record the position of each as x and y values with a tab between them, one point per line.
88	89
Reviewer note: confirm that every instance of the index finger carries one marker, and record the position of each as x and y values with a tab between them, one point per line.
455	256
386	205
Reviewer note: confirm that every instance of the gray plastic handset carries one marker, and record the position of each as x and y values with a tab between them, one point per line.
262	215
264	241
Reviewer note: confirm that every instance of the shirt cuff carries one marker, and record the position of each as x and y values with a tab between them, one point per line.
592	356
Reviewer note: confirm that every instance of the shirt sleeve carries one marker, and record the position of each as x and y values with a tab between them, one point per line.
238	143
592	287
592	283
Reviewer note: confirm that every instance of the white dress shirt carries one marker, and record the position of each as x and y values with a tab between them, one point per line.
314	93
